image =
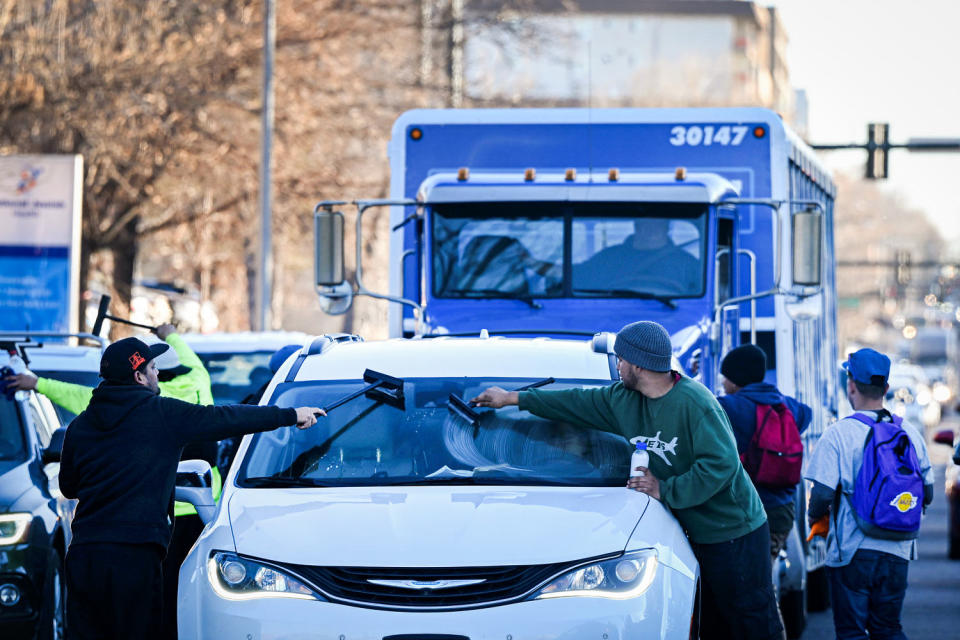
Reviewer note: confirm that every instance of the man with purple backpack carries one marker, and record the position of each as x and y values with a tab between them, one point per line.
872	477
764	419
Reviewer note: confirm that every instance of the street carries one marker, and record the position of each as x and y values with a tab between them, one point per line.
931	610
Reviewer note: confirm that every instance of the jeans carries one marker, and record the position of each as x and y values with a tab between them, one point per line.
867	596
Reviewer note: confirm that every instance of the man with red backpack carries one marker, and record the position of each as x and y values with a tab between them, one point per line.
767	426
872	476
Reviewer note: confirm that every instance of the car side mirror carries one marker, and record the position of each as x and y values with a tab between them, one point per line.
194	482
944	436
807	232
328	248
54	450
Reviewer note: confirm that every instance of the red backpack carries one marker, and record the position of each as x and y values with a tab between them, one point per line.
775	453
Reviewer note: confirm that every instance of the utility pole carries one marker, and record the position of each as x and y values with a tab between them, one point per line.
878	145
265	273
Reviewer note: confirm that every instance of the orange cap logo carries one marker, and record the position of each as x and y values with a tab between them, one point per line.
136	360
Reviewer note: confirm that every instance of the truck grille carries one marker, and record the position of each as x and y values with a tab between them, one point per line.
494	585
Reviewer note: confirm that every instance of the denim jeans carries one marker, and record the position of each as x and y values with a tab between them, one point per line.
867	596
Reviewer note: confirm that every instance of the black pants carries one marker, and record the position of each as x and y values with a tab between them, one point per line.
186	530
113	591
737	599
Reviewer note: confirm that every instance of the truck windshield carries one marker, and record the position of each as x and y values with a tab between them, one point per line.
364	443
553	250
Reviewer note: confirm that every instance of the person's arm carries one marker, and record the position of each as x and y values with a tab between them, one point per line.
715	464
824	471
198	377
821	501
72	397
587	408
199	423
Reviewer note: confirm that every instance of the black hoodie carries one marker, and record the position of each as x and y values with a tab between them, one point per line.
120	458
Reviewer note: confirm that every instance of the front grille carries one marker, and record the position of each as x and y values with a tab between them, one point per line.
499	584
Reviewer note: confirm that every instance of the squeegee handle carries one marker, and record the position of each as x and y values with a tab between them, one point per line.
130	322
346	399
539	383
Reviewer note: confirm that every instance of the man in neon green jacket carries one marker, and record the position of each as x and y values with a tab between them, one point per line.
182	376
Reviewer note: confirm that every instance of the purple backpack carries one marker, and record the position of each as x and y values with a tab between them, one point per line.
888	491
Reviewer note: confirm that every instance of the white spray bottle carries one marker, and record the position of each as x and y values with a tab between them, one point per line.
639	458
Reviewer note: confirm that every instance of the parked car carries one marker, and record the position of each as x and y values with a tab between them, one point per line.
238	362
952	492
911	395
395	517
79	364
34	517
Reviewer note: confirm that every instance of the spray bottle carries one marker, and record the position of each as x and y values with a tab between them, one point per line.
639	458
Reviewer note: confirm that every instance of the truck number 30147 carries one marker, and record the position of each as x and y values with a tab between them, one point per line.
708	135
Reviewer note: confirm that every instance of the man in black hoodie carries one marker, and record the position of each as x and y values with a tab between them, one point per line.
120	460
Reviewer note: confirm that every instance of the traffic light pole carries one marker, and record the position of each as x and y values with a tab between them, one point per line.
878	144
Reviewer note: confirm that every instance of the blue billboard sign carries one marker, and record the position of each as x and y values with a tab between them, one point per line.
40	202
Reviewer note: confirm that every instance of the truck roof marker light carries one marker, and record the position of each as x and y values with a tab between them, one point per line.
613	175
529	175
462	174
570	175
759	132
416	133
680	174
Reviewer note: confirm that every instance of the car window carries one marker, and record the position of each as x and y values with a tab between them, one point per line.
234	376
12	441
39	424
367	443
85	378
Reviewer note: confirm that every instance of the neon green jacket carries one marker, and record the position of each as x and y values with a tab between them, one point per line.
192	387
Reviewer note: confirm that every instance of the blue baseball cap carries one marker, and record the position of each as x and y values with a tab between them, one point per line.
867	366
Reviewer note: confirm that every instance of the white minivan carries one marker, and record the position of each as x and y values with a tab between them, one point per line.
398	517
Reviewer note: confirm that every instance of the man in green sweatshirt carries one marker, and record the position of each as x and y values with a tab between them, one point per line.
694	470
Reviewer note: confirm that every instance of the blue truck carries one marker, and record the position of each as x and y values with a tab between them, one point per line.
717	223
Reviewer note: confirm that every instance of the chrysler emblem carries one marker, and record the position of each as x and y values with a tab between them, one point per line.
425	584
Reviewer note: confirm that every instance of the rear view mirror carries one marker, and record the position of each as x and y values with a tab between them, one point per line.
55	448
807	231
944	436
194	482
328	247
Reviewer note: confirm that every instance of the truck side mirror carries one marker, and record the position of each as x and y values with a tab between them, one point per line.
328	248
807	231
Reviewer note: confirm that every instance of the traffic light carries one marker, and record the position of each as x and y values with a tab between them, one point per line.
878	141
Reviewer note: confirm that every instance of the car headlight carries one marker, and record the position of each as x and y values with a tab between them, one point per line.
620	578
236	578
14	527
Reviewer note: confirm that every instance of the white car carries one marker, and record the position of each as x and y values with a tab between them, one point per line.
386	522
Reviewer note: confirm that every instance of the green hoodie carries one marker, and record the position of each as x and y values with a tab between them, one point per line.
692	450
192	387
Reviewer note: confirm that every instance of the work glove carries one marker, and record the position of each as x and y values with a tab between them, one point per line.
820	528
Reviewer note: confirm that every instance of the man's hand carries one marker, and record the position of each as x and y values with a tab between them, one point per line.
819	527
307	416
647	483
22	382
497	398
165	330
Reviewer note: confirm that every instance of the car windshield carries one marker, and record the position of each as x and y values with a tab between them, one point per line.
12	445
572	250
367	443
85	378
234	376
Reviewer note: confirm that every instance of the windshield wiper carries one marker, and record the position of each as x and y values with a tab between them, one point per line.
282	481
631	293
497	293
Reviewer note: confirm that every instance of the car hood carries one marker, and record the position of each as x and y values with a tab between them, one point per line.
433	526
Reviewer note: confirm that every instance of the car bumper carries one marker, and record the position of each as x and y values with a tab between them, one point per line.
663	611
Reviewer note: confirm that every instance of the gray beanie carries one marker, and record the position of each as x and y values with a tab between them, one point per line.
644	344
